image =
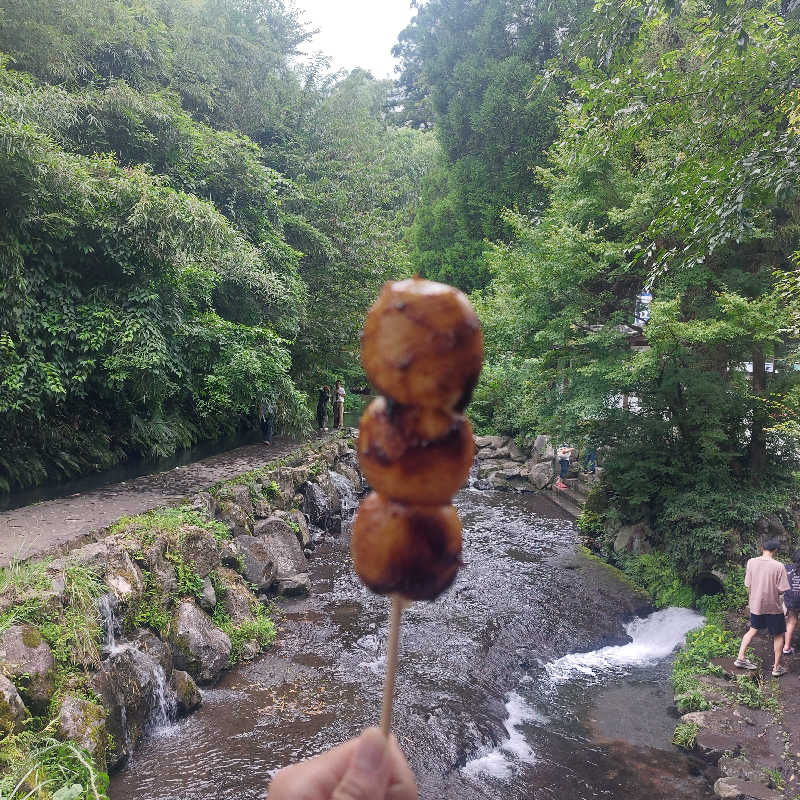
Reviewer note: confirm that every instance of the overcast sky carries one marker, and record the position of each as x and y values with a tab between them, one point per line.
357	33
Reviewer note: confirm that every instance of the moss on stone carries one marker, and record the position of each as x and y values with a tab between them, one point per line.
6	718
31	637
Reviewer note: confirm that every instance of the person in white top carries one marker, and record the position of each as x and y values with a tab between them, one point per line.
338	405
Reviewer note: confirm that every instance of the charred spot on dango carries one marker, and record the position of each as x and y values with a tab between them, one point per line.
422	344
414	454
414	551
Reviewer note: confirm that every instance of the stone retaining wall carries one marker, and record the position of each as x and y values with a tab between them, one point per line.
185	592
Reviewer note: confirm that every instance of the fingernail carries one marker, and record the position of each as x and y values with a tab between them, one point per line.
370	752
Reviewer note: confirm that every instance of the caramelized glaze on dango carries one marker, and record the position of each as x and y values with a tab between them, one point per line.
411	550
414	454
422	344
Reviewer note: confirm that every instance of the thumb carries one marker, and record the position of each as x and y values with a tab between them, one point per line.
368	773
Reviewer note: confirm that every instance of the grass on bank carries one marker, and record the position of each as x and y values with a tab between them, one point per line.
34	766
168	520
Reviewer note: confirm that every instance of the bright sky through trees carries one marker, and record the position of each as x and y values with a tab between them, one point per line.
357	33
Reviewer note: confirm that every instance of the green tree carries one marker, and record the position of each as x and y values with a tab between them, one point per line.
676	169
481	69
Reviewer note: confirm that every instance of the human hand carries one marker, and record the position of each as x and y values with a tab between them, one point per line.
370	767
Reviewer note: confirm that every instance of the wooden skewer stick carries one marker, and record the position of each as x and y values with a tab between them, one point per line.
398	605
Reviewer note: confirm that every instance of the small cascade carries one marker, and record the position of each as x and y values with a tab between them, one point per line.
139	681
154	693
106	606
346	492
653	639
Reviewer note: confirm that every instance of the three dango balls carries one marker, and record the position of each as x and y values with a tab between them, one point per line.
422	348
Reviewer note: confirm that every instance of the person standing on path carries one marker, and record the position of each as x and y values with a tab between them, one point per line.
323	399
338	405
791	600
266	416
765	580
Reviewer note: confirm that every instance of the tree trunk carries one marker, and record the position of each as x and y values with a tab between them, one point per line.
758	441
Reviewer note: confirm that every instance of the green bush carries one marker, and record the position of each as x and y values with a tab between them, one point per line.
752	693
260	629
685	735
34	765
656	574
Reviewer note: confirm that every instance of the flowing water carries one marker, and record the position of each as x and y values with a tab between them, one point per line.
532	677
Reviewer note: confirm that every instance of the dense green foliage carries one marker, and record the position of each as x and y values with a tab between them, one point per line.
190	223
477	70
674	168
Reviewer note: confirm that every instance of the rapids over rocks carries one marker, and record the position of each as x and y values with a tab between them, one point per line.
533	677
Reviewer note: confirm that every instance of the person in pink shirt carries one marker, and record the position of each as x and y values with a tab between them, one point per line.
765	580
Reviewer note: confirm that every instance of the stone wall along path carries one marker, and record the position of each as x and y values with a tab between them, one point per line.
56	525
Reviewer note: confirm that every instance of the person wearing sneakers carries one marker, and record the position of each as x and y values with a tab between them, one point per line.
765	580
564	454
791	599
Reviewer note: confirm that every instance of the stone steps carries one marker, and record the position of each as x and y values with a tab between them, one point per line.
565	503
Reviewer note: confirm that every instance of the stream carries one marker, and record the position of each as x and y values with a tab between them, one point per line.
532	677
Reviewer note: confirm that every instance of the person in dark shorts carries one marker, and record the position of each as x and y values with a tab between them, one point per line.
766	580
791	599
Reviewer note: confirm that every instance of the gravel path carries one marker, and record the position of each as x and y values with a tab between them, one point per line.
56	525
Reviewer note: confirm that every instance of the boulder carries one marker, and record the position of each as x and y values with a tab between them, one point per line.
12	710
489	465
495	442
243	498
187	695
291	566
134	692
276	522
541	474
83	722
288	479
238	601
164	575
485	454
543	447
198	646
329	452
299	584
207	597
261	506
633	539
123	577
91	555
231	555
740	789
204	504
320	500
516	453
159	651
236	520
349	472
259	568
739	767
299	519
28	661
200	550
50	598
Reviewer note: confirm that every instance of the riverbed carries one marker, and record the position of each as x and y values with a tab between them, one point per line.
535	675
